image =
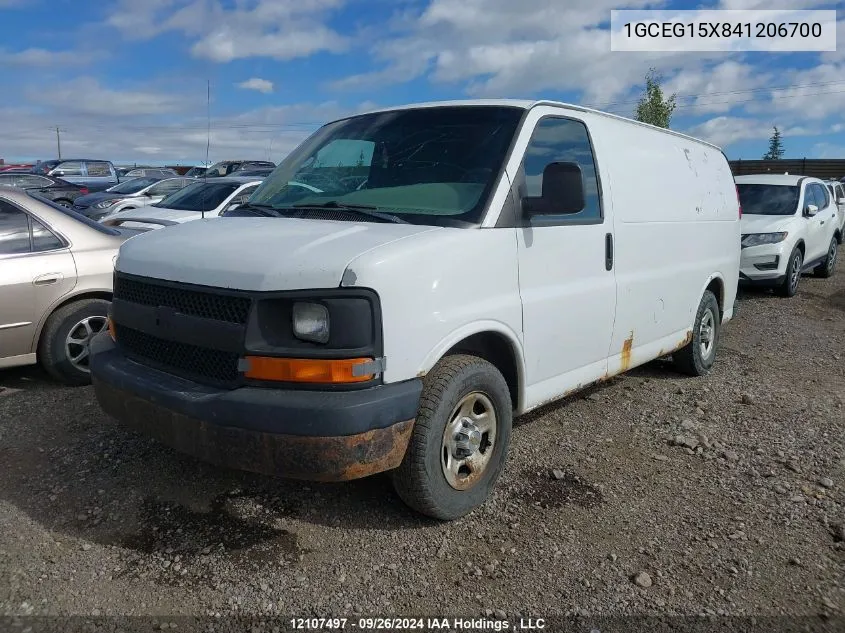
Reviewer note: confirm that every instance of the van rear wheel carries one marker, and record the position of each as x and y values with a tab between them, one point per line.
698	356
460	439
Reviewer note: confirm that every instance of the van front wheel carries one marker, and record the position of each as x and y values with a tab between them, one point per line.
698	356
460	439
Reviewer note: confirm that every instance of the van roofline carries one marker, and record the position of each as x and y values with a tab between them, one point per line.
528	104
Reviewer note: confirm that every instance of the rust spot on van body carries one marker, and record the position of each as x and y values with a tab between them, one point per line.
687	340
626	353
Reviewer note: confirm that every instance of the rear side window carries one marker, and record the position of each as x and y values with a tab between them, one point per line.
99	170
70	168
33	181
557	139
166	187
14	230
43	239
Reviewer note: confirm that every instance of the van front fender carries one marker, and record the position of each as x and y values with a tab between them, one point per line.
457	336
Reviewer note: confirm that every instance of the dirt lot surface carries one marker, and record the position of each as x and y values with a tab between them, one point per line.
677	495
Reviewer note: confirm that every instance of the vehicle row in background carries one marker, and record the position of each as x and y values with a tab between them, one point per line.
790	225
56	271
131	194
50	187
200	199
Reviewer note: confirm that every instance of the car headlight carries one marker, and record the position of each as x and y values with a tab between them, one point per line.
311	322
107	203
757	239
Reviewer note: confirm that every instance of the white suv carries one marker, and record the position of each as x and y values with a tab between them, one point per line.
789	225
837	190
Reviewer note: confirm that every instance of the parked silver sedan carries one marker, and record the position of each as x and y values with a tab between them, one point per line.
56	269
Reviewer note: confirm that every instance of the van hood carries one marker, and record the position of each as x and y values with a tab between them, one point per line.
258	254
765	223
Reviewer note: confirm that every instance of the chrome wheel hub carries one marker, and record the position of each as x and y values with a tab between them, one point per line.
707	334
795	274
468	441
78	341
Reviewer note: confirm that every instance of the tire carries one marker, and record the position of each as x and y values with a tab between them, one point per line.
56	351
64	203
827	267
792	278
421	480
698	356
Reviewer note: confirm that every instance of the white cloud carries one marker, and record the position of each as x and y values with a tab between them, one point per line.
827	150
504	48
41	57
725	130
85	95
176	136
264	28
258	84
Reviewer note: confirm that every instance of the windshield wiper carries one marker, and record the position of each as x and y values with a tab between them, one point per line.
366	210
267	210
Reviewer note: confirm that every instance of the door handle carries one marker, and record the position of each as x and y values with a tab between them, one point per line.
47	279
608	251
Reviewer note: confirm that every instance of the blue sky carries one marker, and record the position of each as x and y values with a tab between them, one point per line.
127	79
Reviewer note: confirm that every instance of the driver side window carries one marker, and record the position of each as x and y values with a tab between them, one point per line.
557	139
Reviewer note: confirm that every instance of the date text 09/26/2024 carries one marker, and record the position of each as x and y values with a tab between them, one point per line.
417	624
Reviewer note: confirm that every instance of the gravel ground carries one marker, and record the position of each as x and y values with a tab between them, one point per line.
672	495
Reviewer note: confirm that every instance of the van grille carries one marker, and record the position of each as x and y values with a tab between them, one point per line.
183	359
207	305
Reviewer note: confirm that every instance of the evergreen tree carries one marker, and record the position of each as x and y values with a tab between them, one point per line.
775	146
653	108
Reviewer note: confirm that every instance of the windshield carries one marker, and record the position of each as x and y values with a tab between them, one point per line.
433	166
73	214
199	196
768	199
133	186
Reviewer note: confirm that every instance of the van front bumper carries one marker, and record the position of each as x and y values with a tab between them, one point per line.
300	434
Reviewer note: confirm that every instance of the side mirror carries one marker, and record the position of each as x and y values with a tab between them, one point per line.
58	173
562	191
811	210
232	206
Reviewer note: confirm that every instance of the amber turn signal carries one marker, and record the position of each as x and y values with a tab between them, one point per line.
308	370
110	325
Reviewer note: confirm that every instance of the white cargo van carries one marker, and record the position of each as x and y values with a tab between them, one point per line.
413	278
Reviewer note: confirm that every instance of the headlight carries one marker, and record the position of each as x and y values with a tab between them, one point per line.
311	322
757	239
107	203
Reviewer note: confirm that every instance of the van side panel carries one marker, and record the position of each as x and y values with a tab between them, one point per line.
676	224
